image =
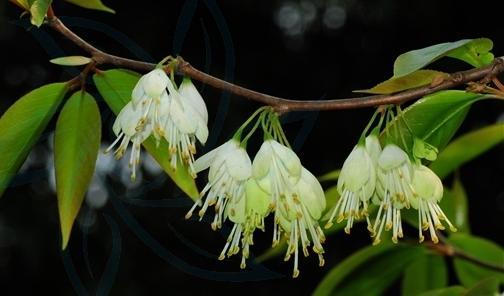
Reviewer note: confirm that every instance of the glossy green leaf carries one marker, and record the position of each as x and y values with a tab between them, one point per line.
369	271
466	148
116	86
412	80
434	119
455	207
484	250
71	61
476	53
22	124
449	291
38	11
92	4
489	286
415	60
76	144
425	273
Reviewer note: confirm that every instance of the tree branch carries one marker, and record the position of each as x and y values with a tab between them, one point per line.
448	250
280	104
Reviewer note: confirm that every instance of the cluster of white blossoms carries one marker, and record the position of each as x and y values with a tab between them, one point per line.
157	108
246	192
392	182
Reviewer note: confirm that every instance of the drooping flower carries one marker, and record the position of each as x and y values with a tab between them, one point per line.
297	199
428	190
356	183
393	191
230	168
149	94
300	219
130	126
182	120
247	212
157	108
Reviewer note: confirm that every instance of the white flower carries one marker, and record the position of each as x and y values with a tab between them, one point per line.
356	183
300	219
247	212
129	126
149	94
182	120
297	198
230	168
157	108
428	192
393	189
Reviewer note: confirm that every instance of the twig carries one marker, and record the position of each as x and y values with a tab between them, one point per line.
446	249
281	104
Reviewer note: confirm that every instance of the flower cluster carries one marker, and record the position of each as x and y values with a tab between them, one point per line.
392	180
157	108
246	192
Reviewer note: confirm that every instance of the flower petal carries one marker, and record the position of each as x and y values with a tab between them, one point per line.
206	160
191	94
288	158
258	200
311	194
262	161
392	157
238	164
154	83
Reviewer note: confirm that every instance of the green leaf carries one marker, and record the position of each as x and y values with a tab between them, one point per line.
38	11
463	149
449	291
71	61
434	119
92	4
116	86
425	273
76	145
489	286
412	80
484	250
476	53
368	271
22	124
414	60
454	205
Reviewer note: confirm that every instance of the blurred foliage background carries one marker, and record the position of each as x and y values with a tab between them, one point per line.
132	239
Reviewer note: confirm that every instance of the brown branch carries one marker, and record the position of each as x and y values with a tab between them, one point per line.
283	105
446	249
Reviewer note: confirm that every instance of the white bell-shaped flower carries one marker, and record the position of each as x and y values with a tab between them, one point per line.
428	190
150	86
158	108
356	183
394	191
130	126
247	212
230	168
299	219
277	169
181	123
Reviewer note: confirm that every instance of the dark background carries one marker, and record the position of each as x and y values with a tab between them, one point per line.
136	242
